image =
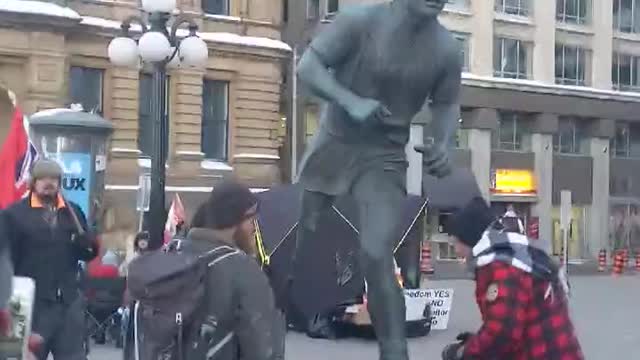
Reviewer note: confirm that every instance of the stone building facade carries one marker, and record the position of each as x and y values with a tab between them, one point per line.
223	119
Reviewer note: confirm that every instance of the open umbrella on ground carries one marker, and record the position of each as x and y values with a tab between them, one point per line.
330	275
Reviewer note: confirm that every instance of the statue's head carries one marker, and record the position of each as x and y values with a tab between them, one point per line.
427	8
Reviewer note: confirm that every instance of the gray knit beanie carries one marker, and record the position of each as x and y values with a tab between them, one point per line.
45	168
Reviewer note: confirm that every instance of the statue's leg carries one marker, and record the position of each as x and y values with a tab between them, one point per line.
313	205
380	196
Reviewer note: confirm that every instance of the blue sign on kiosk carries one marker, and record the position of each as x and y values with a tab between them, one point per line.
76	181
78	141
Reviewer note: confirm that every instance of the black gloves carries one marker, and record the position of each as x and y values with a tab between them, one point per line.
464	336
453	352
84	242
456	351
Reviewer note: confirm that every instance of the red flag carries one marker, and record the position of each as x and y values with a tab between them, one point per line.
16	156
175	218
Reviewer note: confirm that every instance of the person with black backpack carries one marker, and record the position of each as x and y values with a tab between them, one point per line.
205	297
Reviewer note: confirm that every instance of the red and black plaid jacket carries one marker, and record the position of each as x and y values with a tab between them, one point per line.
527	318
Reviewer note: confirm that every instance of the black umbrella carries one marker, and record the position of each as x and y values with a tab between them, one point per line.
329	273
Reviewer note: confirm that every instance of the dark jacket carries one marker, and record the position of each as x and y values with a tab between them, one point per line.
6	270
523	303
241	301
48	252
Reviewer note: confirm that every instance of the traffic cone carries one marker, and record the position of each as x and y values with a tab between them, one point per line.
602	260
618	264
425	260
638	260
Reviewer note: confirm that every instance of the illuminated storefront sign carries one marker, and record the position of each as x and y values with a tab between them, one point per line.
513	182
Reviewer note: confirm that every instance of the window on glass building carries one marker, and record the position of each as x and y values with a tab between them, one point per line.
573	11
333	6
312	113
464	45
626	15
568	139
313	9
625	72
462	139
624	226
626	142
513	7
510	58
571	65
510	132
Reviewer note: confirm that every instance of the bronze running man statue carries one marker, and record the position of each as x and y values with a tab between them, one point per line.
378	67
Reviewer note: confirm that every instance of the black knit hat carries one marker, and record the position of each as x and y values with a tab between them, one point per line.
228	205
469	223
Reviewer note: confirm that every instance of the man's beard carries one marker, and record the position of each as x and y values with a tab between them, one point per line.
244	241
48	198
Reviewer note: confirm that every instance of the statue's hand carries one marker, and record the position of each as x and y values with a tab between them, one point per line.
435	160
365	109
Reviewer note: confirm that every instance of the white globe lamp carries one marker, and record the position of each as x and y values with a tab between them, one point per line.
123	51
194	52
165	6
154	46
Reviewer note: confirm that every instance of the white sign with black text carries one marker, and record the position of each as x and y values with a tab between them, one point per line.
440	301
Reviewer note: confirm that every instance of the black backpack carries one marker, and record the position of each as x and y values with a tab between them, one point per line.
169	288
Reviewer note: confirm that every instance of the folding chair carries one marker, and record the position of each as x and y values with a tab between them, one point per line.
104	300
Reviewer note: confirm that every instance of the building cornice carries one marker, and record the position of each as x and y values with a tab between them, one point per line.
37	22
223	41
472	80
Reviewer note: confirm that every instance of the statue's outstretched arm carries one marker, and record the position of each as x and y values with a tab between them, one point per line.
314	72
330	49
444	108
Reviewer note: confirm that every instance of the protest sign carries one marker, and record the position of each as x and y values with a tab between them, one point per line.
440	301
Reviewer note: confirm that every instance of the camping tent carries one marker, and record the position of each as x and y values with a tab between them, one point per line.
330	275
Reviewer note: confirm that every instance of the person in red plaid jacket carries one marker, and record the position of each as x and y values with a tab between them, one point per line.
521	296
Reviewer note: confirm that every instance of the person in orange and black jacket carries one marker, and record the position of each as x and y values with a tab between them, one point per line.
519	291
48	236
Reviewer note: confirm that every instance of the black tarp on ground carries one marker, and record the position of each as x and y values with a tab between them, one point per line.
331	274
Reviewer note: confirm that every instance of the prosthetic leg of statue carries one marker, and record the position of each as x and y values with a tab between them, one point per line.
379	198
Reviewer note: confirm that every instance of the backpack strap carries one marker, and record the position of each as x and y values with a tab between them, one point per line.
214	256
214	350
208	260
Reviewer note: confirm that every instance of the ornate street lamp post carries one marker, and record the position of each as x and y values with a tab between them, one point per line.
161	48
